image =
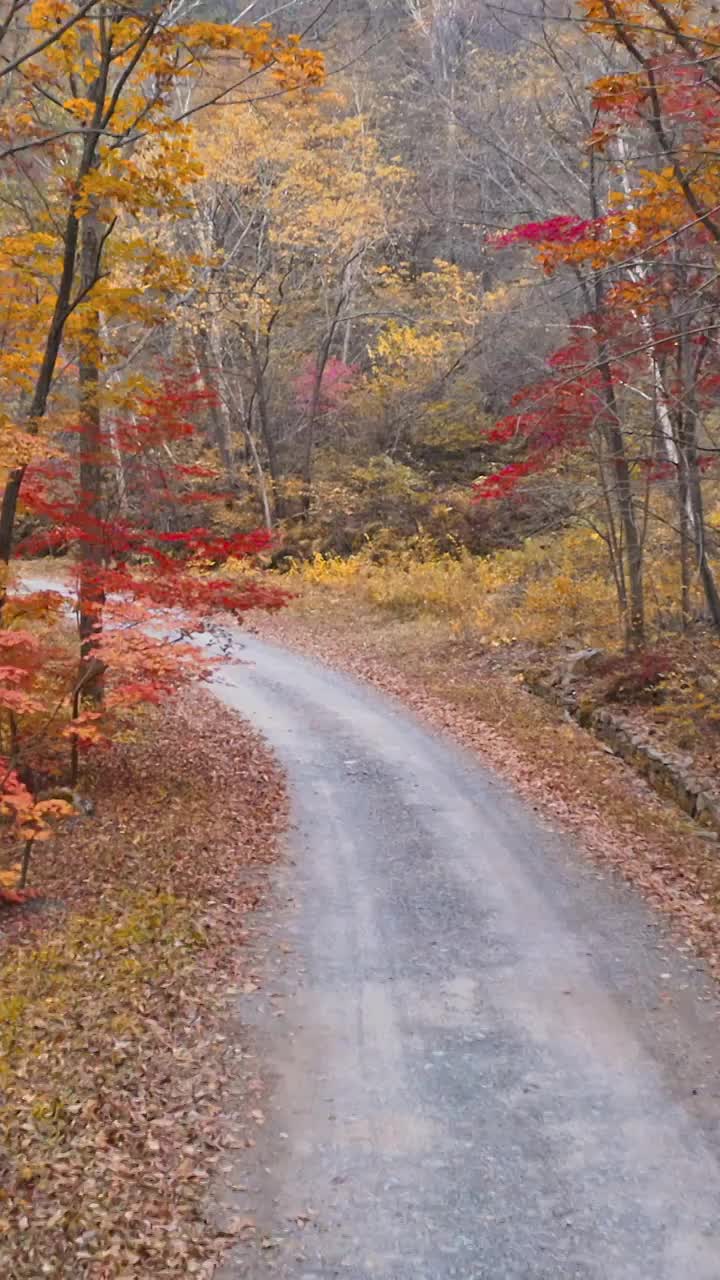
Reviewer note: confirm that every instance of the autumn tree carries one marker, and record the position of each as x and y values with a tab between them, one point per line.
119	150
634	384
99	149
296	206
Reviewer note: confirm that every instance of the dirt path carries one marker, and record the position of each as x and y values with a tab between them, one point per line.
487	1060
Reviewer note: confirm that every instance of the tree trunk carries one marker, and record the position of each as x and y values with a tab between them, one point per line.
690	466
615	556
11	493
262	411
619	466
64	304
684	531
91	597
208	361
623	495
694	487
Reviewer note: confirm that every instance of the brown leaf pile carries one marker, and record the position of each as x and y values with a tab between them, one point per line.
555	765
113	1015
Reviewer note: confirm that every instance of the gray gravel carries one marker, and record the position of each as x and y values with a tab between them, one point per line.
486	1058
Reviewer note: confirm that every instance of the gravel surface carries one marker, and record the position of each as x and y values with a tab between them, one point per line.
486	1057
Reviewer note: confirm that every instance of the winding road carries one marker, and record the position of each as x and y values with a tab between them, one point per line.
486	1058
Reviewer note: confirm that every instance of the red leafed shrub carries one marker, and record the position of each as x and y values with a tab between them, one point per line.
635	676
565	229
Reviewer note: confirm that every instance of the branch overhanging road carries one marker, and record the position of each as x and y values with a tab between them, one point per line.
490	1062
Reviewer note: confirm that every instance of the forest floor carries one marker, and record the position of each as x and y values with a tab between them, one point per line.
115	1000
478	696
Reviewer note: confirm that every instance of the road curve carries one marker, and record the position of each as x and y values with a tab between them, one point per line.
487	1059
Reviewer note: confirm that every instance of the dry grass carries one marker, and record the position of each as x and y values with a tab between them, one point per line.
558	585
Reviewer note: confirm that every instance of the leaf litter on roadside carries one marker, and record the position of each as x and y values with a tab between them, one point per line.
114	1037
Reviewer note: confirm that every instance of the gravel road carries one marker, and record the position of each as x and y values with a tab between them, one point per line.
487	1060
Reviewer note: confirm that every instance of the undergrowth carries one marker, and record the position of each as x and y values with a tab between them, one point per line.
555	587
530	606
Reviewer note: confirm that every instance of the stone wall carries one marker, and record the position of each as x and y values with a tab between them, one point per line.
669	773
